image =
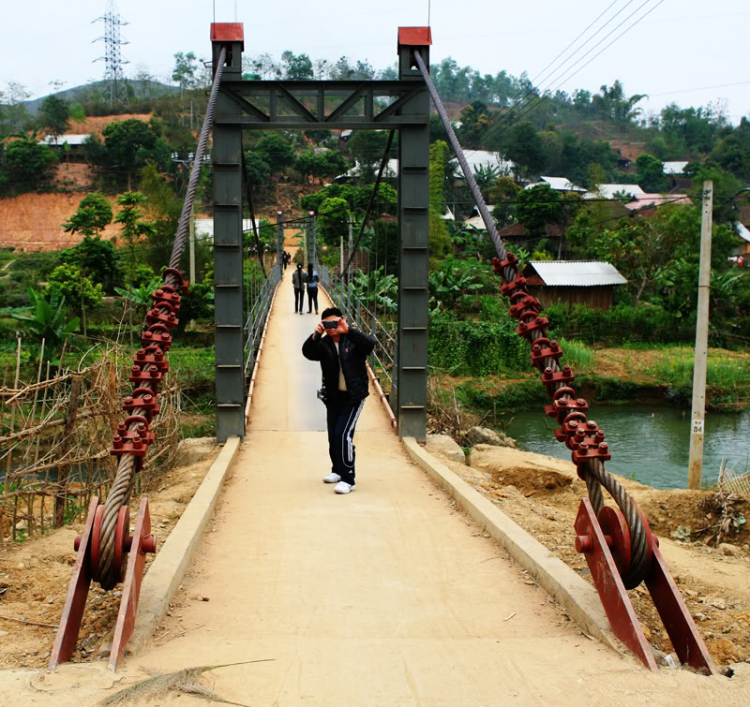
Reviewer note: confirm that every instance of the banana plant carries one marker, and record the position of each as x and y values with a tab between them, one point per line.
47	322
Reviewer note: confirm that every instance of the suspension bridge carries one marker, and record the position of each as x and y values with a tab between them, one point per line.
390	596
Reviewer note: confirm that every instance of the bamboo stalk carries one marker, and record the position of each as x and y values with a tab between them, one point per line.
13	424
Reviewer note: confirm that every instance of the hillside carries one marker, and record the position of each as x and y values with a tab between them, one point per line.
32	222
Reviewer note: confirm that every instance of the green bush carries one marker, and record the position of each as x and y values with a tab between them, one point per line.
477	348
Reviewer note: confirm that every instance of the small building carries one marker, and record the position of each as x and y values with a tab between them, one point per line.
741	253
71	145
573	282
610	191
560	184
483	159
652	201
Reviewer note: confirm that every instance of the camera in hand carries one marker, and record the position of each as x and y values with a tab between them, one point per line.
328	324
322	394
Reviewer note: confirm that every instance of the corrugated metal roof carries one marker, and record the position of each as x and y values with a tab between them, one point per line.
608	191
742	231
645	200
558	184
62	139
485	159
565	273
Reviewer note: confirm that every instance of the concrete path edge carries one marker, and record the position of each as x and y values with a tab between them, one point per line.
168	569
576	597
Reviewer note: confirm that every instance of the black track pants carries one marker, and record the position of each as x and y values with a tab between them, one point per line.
342	419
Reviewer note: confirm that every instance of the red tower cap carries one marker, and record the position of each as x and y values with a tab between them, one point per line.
415	36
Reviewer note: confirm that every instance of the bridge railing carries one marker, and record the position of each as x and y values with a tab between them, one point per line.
344	296
257	316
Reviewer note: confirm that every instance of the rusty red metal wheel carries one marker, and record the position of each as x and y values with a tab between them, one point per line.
96	536
122	540
615	529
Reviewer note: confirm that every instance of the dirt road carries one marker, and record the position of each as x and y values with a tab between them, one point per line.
387	596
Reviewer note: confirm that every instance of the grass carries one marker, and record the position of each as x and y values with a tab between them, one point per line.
577	354
721	372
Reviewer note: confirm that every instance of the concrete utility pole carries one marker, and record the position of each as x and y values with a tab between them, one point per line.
697	430
191	242
351	248
311	240
341	258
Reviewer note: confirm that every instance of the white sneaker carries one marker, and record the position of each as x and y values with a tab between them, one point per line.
343	487
332	478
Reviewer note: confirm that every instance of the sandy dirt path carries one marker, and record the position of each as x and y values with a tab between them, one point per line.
386	597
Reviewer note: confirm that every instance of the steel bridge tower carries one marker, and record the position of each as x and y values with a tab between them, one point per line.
113	61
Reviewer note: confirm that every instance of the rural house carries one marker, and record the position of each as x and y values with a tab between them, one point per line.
573	282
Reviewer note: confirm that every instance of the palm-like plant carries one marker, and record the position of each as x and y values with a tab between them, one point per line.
376	288
47	322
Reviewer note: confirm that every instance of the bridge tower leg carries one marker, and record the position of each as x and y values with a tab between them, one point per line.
414	226
228	252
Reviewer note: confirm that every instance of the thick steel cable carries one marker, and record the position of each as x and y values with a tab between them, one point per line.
122	487
595	474
383	164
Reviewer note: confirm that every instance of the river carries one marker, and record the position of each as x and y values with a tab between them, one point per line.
648	443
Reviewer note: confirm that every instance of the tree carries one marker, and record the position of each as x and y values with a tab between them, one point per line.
504	194
537	207
47	322
28	165
475	120
297	67
258	171
96	259
526	149
185	71
93	215
439	237
367	148
333	219
76	288
276	150
320	164
54	115
163	208
651	177
128	146
133	228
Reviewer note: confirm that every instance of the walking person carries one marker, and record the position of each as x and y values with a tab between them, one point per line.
311	282
298	282
342	353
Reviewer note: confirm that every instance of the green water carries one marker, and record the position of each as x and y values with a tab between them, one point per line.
650	442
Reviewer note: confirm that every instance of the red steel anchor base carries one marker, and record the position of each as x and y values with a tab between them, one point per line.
130	556
600	550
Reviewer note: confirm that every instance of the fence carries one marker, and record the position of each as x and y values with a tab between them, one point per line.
257	316
55	437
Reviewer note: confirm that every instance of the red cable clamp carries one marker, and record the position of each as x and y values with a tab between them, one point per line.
510	262
569	427
551	378
155	358
184	285
158	335
508	288
140	376
562	407
166	295
526	328
146	402
159	316
543	349
526	304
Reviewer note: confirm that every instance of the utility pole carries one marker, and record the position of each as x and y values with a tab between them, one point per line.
351	247
191	243
311	239
697	430
341	258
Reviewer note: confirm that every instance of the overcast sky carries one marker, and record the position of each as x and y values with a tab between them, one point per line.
681	52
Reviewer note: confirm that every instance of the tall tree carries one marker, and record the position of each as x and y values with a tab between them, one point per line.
93	215
54	115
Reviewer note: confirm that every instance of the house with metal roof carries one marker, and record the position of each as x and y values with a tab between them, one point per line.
651	201
610	191
483	159
675	169
558	184
573	282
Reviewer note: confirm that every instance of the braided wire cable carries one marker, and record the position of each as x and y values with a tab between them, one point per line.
122	487
594	472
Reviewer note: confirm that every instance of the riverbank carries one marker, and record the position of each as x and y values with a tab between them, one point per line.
542	495
638	373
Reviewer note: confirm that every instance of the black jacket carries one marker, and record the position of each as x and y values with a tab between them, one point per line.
355	347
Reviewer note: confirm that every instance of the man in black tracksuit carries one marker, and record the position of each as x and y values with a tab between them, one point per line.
342	353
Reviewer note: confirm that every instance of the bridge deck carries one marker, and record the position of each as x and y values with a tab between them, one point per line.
383	597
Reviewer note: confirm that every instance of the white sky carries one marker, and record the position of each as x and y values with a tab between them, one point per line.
684	45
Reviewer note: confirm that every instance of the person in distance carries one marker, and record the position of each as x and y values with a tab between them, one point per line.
298	283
